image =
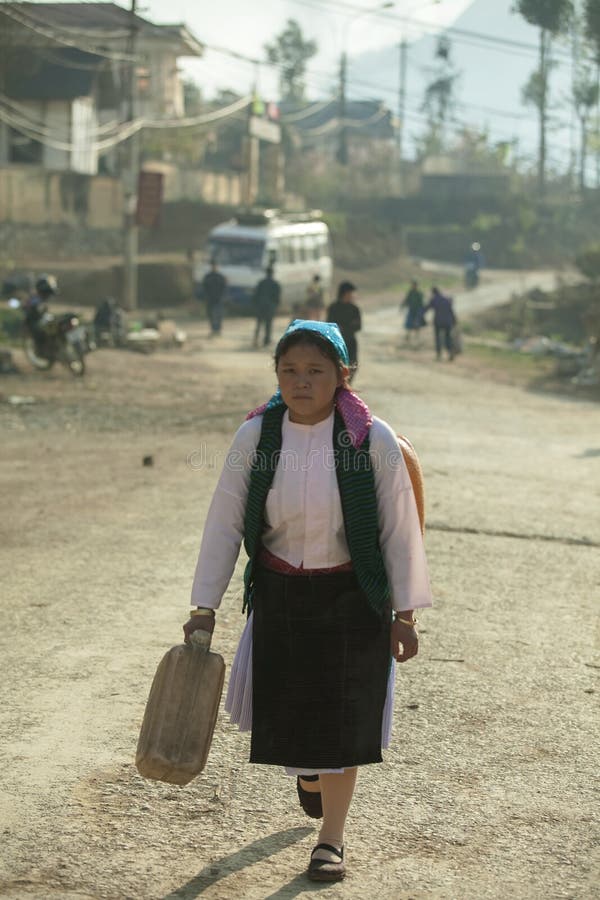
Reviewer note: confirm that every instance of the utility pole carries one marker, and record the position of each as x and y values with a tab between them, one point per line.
130	177
403	47
543	108
598	122
342	152
251	179
251	151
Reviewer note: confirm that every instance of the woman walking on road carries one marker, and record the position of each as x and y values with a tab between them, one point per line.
415	318
318	491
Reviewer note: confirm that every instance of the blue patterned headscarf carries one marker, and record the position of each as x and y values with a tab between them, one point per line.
327	330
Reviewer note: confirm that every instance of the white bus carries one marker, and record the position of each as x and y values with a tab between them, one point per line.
298	246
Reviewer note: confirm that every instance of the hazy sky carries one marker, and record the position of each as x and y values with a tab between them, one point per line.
245	27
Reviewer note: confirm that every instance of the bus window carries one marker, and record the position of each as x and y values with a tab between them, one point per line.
298	249
237	252
282	254
312	242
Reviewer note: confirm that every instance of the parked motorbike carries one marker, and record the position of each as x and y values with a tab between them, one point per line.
56	338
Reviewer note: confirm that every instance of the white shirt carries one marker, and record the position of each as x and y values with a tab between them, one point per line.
303	512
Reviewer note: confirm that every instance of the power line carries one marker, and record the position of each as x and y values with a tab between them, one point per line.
311	75
54	57
15	117
397	18
357	82
30	23
33	12
335	124
204	119
311	110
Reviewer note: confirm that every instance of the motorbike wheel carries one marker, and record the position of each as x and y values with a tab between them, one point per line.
72	358
38	362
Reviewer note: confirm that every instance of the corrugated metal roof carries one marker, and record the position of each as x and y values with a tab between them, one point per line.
107	17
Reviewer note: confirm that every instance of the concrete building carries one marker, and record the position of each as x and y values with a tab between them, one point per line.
65	70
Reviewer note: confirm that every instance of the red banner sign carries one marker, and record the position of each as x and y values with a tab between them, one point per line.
149	198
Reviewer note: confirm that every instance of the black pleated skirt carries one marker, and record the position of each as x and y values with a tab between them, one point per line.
320	663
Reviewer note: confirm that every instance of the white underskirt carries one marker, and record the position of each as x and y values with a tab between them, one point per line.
238	702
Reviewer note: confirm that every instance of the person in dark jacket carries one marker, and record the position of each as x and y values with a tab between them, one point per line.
36	307
346	315
443	321
415	319
266	297
213	289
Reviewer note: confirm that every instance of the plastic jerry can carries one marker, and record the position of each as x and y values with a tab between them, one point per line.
181	712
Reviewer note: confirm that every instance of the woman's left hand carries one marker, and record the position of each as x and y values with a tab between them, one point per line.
404	640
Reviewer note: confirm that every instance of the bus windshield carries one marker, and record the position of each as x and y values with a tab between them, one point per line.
237	252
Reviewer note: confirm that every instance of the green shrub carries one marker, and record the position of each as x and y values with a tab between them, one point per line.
588	261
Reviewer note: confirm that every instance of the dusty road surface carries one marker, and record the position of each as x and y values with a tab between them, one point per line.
490	789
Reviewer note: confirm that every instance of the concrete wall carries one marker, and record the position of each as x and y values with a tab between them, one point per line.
196	184
34	196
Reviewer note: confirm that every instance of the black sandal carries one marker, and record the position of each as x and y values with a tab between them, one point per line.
310	801
322	869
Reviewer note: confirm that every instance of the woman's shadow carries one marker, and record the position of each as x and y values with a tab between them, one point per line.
248	856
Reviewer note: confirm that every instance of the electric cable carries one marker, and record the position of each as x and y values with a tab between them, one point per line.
50	138
385	14
9	11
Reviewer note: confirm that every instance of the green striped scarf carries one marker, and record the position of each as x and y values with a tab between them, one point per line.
356	483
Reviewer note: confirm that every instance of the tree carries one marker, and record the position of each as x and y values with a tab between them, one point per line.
478	152
438	102
592	26
551	17
585	97
588	262
291	53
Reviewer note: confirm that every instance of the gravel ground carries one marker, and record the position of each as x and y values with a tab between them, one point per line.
490	788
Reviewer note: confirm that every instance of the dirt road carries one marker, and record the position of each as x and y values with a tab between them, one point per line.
490	788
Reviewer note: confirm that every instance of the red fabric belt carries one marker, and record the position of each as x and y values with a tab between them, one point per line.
275	564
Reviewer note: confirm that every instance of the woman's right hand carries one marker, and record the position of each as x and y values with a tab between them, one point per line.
404	640
198	623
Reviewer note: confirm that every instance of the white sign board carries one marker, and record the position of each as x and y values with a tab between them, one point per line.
265	130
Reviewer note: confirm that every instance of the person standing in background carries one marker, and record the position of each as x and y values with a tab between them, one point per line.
443	321
415	318
213	288
266	298
346	315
